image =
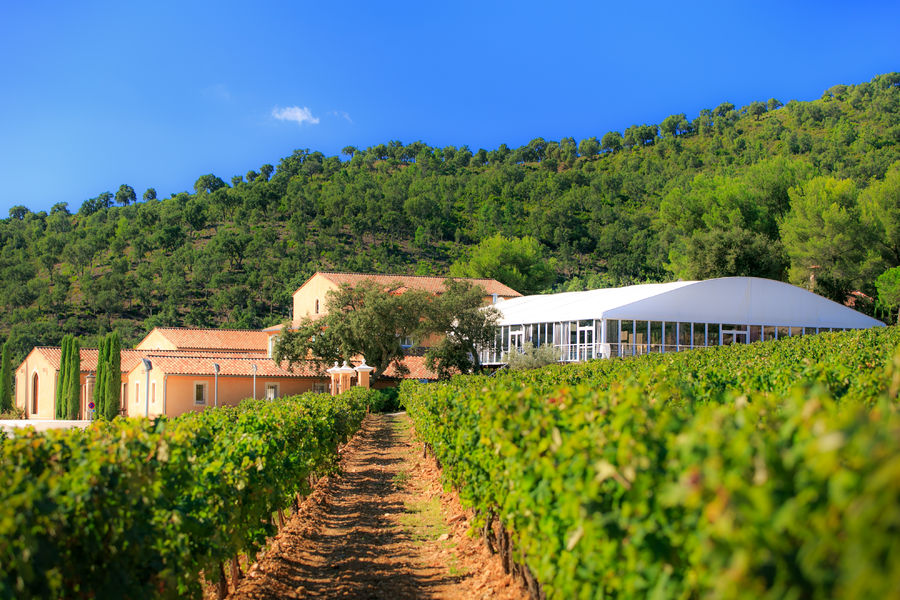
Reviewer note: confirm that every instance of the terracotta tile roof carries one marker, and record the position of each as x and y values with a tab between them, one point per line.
185	362
416	366
229	365
53	354
187	338
434	285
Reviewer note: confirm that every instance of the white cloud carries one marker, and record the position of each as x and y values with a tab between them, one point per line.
342	114
295	113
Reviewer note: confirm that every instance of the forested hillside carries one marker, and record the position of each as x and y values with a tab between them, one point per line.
807	192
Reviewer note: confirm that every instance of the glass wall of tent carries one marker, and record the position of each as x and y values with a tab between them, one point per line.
603	338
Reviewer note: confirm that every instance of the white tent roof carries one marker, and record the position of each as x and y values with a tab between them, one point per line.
738	300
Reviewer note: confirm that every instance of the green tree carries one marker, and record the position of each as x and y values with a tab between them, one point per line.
518	262
113	379
125	195
150	194
458	315
723	109
888	287
588	147
6	399
62	382
756	110
880	206
99	395
207	184
611	141
830	249
73	382
674	125
366	320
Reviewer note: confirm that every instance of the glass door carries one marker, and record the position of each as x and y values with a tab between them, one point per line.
734	334
585	340
516	338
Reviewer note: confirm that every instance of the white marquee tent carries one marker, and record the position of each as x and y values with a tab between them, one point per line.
667	317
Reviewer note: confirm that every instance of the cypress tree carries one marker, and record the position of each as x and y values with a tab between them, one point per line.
113	375
99	376
6	401
61	379
73	391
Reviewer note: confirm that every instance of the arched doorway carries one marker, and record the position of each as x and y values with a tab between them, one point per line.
34	394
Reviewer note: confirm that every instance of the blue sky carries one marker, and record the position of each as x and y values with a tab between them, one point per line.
96	94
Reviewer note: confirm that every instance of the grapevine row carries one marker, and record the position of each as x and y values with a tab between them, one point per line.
762	471
138	508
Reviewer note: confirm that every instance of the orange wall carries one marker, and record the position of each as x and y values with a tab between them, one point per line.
176	392
232	390
136	395
36	363
305	298
47	380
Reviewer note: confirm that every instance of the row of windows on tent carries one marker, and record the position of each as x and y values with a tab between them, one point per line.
640	337
581	340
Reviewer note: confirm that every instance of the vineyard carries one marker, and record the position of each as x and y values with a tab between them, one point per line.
139	508
762	471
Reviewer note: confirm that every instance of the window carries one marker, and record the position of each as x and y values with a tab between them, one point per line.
670	336
137	392
768	333
755	333
684	336
626	337
712	334
317	306
272	341
200	392
656	336
34	393
320	387
406	342
699	338
153	393
612	331
271	391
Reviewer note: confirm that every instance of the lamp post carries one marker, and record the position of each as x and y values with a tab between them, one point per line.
253	366
216	396
147	367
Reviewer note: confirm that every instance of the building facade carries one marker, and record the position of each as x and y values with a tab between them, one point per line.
175	370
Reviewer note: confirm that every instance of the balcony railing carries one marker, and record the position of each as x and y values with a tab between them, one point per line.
582	352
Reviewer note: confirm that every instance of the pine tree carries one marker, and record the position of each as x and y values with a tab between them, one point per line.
6	400
113	375
99	380
73	390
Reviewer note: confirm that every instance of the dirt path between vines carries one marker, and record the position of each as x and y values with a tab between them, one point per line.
381	529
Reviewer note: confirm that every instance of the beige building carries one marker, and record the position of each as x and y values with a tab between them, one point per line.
309	299
175	370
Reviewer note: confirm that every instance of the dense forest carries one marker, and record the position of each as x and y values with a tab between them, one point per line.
807	192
